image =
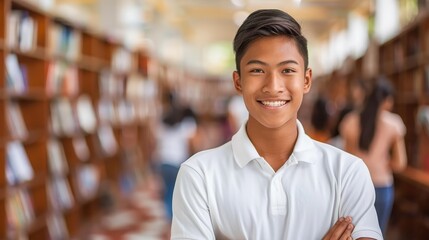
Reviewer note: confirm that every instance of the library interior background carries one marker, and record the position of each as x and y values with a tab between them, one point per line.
87	85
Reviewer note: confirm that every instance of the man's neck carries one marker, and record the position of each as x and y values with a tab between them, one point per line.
274	145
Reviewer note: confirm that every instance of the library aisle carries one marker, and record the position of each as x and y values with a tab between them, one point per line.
141	216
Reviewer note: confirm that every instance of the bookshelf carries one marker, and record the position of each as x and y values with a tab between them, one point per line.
72	131
404	60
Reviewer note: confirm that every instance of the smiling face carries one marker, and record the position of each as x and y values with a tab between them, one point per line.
272	80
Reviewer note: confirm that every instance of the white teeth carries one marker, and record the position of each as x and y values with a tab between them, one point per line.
274	103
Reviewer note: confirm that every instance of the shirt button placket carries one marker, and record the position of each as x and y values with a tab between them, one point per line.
278	196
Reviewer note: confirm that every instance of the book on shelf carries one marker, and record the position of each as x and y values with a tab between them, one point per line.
135	87
64	41
57	227
21	30
62	79
88	181
111	85
106	111
81	148
126	112
15	121
28	33
138	88
122	60
15	75
20	169
60	194
107	140
63	119
57	159
86	114
19	209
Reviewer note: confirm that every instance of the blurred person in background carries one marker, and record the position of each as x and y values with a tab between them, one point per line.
173	145
376	135
320	120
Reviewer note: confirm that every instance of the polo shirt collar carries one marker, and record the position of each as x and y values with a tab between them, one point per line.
244	151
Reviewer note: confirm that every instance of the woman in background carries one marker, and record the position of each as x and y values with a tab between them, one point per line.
173	145
376	135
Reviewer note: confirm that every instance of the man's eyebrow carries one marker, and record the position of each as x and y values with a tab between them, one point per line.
288	62
279	64
256	62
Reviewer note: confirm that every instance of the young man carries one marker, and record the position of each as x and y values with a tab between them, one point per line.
272	181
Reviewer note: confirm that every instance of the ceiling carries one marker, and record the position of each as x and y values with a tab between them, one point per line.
200	23
205	21
213	20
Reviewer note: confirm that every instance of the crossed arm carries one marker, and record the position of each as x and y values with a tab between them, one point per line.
342	230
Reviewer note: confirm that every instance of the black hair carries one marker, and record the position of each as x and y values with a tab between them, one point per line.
368	117
320	114
265	23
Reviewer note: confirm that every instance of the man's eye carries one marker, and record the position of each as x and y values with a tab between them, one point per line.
256	71
288	70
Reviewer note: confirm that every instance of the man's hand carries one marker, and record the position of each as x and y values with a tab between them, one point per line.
342	230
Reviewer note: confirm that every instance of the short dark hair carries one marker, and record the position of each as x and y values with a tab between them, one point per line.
265	23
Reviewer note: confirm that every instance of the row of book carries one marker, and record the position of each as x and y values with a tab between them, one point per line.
133	86
20	215
19	168
63	79
64	41
68	120
120	112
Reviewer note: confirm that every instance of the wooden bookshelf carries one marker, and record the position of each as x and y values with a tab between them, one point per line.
404	60
53	87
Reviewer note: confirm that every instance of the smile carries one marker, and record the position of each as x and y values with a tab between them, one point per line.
273	103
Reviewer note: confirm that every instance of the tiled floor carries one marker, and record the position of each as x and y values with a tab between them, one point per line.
140	217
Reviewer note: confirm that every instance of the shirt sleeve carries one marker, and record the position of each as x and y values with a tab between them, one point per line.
357	201
191	216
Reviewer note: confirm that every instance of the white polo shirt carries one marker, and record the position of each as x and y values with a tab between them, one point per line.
231	192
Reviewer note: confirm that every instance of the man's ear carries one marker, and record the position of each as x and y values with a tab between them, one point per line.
308	79
237	81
